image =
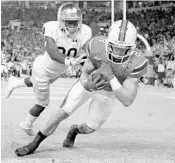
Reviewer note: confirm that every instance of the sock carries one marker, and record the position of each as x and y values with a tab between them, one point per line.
78	131
27	82
41	135
30	119
36	142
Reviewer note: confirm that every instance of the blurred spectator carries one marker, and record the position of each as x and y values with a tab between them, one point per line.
19	48
161	73
169	77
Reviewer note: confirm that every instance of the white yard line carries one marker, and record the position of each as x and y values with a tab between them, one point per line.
32	97
160	95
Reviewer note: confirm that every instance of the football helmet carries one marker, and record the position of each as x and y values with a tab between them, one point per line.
70	18
121	38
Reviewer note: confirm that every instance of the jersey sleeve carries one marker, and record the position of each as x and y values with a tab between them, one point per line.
140	65
49	30
140	71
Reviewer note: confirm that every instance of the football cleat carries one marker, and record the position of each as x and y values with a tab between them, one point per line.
22	151
28	129
70	139
30	148
13	83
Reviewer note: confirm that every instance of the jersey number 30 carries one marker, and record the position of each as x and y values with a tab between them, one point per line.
72	52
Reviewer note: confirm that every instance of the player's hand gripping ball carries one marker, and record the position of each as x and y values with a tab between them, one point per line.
96	75
106	71
98	79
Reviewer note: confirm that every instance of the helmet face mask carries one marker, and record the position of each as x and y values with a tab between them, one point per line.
69	18
121	38
71	26
117	54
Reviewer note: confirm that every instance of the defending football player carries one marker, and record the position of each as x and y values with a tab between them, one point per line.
110	73
64	39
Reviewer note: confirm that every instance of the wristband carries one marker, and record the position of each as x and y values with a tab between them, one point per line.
115	84
67	61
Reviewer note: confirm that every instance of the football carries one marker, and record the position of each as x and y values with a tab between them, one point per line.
95	75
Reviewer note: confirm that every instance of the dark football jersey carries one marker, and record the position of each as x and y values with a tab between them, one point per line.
134	67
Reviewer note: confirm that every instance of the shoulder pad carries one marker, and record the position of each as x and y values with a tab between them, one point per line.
97	43
95	46
50	29
87	29
51	26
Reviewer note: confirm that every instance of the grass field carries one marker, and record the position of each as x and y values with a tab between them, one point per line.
142	133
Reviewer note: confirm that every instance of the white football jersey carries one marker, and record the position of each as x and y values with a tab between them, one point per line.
68	46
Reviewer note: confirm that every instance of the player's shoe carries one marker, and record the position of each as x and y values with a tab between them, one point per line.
70	139
30	148
28	129
13	83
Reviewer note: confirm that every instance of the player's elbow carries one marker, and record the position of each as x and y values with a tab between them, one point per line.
50	50
128	102
53	57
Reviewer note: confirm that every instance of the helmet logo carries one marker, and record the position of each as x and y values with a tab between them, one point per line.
97	58
74	15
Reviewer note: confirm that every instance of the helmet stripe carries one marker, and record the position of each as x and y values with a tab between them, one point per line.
123	29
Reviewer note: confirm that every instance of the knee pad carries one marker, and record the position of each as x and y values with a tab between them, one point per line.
84	129
36	110
28	82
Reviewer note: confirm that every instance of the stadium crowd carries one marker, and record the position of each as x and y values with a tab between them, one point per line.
20	47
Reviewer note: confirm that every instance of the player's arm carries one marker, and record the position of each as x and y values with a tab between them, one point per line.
86	71
86	79
53	51
127	92
51	47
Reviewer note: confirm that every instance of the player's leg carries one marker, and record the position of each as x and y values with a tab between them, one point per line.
41	87
6	72
33	114
14	83
75	98
99	110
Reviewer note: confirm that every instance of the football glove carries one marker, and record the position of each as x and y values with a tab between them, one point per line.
106	71
82	58
75	61
70	61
